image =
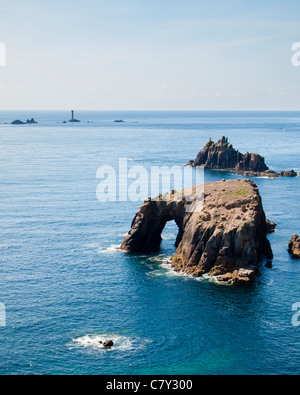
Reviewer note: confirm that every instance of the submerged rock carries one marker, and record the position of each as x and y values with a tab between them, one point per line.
226	238
294	247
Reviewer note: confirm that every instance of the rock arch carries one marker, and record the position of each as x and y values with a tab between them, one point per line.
226	238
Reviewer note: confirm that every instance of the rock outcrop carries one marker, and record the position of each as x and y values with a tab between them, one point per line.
271	226
222	156
17	122
108	344
28	122
291	173
294	247
226	238
31	121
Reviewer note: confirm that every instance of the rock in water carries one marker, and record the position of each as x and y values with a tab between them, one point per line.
226	239
294	247
108	343
17	122
222	156
271	226
31	121
290	173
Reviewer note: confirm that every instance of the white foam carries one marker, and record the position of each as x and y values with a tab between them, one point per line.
169	237
165	268
110	250
121	343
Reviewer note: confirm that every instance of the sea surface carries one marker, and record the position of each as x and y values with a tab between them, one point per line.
66	285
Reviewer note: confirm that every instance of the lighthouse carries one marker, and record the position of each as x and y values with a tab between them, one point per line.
73	118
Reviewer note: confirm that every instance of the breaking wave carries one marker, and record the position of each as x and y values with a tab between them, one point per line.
121	343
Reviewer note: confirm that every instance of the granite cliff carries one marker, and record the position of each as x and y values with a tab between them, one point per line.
226	238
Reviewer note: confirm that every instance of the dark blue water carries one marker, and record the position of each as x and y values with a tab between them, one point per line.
65	285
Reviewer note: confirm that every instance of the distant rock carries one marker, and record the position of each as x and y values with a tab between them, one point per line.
119	121
222	156
294	247
108	344
290	173
225	239
31	121
18	122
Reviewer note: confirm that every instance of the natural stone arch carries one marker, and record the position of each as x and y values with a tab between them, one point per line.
148	225
227	238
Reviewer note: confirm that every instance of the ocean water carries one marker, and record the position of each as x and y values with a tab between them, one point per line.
66	286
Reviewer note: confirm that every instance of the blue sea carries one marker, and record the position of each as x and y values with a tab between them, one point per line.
66	285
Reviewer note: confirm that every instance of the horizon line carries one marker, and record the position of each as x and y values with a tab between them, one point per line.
156	110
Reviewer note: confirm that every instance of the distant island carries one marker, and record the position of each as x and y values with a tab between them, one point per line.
18	122
222	156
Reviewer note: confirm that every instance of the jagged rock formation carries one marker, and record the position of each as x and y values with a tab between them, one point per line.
294	247
290	173
222	156
28	122
31	121
226	239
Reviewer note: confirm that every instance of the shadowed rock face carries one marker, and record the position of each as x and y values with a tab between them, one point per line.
222	156
227	238
294	247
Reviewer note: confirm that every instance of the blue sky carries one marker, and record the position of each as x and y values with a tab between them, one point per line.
149	54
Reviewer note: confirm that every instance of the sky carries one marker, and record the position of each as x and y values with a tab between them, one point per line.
149	55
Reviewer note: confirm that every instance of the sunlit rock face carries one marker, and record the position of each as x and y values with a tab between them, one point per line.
222	156
226	238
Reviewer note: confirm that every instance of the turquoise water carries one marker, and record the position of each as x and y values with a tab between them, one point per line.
65	285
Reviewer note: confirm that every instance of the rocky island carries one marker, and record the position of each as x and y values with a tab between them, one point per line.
222	156
294	247
28	122
227	238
